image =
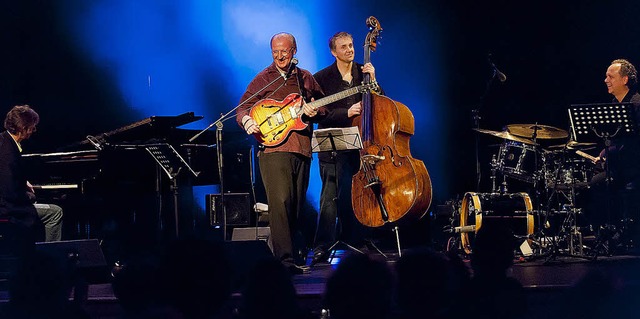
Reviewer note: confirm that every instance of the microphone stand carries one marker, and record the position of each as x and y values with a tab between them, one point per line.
475	115
219	127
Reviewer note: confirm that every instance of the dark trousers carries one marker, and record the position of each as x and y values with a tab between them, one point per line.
335	201
286	178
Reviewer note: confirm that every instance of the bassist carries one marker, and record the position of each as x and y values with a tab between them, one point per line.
336	171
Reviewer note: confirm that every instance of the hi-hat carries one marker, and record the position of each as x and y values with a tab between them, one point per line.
573	145
505	135
541	131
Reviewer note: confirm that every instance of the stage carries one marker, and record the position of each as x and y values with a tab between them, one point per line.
549	283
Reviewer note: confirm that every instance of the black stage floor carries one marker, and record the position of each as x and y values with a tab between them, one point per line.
546	282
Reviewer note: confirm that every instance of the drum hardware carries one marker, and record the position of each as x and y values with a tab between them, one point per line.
543	132
568	233
612	239
503	186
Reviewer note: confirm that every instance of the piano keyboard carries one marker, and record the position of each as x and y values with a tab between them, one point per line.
56	186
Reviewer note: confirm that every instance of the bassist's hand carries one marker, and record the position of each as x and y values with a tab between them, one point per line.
355	109
368	68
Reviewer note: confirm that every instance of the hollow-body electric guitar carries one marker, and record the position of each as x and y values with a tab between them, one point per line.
277	119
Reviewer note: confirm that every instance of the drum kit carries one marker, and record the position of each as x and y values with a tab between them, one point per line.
554	174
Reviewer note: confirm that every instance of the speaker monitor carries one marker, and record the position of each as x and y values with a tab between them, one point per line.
253	233
86	253
237	206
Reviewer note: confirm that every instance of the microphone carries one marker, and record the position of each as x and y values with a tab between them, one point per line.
501	76
462	229
292	65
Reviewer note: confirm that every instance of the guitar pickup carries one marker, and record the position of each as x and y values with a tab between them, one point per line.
279	118
294	113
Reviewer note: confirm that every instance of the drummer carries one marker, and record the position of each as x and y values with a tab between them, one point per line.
622	157
621	80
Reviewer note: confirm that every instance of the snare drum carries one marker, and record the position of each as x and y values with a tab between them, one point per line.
519	160
512	210
570	173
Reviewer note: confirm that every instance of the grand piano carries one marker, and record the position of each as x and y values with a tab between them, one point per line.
110	186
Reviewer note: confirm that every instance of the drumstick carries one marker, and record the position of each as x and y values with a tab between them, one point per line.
587	156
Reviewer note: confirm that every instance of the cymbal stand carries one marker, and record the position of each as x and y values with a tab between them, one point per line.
475	115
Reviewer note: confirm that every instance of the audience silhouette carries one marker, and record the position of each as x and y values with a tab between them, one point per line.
40	287
269	293
360	287
491	293
427	284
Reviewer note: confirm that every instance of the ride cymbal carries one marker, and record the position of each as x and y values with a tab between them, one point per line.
505	135
573	145
541	131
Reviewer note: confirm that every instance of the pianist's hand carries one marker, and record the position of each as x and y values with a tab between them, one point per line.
30	187
31	194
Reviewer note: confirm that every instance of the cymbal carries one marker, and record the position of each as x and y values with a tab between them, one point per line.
542	131
573	145
505	135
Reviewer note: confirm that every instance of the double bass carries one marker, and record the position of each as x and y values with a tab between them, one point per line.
390	184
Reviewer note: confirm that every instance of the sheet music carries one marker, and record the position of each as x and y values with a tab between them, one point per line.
336	139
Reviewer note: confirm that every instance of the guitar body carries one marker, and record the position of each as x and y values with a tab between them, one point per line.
277	119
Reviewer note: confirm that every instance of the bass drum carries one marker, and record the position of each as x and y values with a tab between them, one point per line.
512	210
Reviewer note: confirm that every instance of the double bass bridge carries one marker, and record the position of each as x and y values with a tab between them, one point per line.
371	159
369	165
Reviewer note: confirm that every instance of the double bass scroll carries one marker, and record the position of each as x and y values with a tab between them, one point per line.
391	184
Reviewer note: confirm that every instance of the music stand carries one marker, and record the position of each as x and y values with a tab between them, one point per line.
593	122
171	163
603	121
334	140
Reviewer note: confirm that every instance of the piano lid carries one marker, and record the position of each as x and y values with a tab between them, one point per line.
154	127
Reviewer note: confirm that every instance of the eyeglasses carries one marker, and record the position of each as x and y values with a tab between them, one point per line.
282	52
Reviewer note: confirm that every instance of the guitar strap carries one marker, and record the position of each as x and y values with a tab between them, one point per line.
301	89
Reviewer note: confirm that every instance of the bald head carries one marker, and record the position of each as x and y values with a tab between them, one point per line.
283	48
285	37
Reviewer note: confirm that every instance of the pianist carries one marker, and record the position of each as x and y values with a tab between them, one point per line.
17	200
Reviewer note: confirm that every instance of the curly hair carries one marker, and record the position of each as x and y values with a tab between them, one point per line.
627	69
20	119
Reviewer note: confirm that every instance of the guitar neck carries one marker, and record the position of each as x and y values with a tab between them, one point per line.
334	97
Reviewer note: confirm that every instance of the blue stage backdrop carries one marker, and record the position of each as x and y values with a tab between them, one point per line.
166	57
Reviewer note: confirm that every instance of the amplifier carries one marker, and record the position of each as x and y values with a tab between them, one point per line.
237	205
